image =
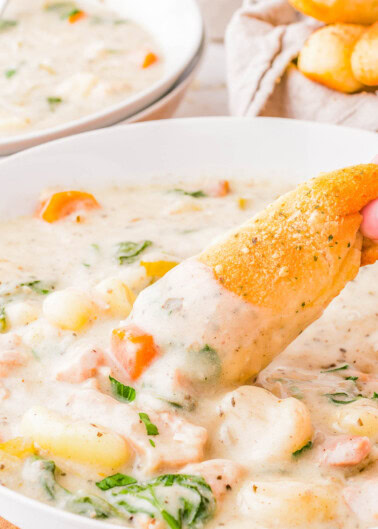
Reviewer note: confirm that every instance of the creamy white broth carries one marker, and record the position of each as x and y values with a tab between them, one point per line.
80	251
53	71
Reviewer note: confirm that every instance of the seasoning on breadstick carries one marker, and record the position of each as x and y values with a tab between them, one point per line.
352	11
221	317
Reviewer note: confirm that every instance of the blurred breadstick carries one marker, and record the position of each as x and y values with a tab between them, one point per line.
326	56
364	59
352	11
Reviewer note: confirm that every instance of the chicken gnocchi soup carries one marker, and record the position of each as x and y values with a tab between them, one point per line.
60	61
83	427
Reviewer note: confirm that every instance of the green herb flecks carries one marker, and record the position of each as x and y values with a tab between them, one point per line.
152	443
122	392
39	287
341	368
3	319
183	501
193	194
116	480
10	73
375	395
129	251
351	378
7	24
151	428
299	452
54	102
63	9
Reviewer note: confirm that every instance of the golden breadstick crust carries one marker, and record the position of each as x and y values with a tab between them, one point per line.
326	57
301	250
364	59
329	11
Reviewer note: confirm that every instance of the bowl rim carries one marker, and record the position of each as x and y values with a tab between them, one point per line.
111	114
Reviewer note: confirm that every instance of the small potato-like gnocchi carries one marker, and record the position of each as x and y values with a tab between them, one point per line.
286	503
326	57
258	427
358	418
21	313
117	296
80	442
69	309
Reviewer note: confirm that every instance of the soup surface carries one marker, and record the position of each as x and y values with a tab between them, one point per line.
60	61
295	448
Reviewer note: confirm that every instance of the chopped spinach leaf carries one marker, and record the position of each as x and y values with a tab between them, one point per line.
183	501
299	452
151	428
128	251
7	24
152	443
194	194
116	480
89	505
3	319
341	398
375	395
10	73
122	392
341	368
351	378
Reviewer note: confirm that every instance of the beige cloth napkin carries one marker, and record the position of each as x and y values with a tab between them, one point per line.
262	39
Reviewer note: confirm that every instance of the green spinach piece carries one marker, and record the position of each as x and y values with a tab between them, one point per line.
122	392
128	251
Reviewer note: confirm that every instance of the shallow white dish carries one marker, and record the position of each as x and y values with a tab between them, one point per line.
178	29
186	148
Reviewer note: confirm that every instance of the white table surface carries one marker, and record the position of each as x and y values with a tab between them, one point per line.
207	95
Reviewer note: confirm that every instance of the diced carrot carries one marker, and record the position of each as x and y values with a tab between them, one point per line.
63	203
158	268
134	350
149	59
76	16
219	189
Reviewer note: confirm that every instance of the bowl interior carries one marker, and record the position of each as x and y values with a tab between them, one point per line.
168	150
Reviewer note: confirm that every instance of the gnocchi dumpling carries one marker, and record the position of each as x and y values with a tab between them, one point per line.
287	503
358	418
69	309
117	296
80	442
259	427
21	313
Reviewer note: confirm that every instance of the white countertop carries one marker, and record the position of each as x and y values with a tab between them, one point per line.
207	95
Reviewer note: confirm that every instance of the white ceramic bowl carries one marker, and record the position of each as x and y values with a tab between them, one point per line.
178	29
185	149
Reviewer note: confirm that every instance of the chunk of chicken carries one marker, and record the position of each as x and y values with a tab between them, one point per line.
178	442
221	474
258	427
12	353
80	364
362	499
343	451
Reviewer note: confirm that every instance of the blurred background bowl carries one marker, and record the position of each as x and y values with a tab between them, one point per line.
177	28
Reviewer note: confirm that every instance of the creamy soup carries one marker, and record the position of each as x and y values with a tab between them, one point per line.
60	61
175	446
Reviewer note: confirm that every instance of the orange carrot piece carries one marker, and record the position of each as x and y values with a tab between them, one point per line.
149	59
133	349
76	16
63	203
